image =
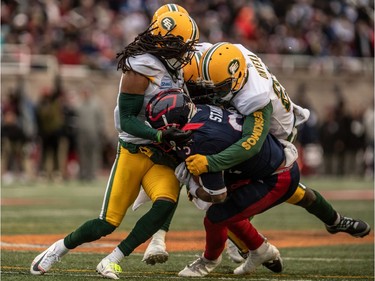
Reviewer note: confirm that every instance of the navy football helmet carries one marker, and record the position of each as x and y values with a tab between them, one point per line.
169	108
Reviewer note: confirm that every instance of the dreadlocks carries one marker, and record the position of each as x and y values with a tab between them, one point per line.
163	47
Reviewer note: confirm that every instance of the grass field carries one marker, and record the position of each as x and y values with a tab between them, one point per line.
56	209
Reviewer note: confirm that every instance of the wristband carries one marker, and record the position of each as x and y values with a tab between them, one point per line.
158	136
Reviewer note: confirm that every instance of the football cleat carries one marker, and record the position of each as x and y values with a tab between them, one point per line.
109	269
356	228
200	267
156	252
44	261
265	253
275	265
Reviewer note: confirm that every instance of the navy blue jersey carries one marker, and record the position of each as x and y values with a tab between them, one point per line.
214	130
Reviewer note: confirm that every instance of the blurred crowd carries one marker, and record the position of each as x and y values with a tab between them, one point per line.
339	143
59	139
91	32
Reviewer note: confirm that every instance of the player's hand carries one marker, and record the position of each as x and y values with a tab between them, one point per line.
182	174
175	137
197	164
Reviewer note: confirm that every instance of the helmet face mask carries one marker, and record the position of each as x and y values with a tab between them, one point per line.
223	70
169	108
179	34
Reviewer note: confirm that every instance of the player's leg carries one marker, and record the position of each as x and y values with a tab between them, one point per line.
244	202
260	251
317	205
162	187
156	251
236	249
118	197
281	187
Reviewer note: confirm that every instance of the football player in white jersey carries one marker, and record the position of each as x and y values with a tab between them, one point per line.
233	76
151	63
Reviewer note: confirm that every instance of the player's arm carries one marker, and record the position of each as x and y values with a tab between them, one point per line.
209	187
130	101
255	130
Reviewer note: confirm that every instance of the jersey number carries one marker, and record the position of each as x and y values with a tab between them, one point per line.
281	93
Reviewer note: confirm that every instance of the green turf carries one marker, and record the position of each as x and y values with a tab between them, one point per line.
60	208
320	263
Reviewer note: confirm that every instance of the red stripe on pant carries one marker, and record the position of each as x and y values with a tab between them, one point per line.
280	189
216	233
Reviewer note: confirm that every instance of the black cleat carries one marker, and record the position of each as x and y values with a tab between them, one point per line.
356	228
275	265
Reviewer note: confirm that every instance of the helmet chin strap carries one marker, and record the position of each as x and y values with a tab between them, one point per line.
231	94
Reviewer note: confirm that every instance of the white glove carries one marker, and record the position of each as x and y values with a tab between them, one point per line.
192	187
291	152
182	174
301	114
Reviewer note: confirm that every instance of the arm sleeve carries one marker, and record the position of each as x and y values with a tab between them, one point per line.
255	130
129	107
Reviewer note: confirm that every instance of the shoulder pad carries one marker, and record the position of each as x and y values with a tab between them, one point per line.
148	66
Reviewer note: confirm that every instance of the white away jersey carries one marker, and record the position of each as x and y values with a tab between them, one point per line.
261	88
160	79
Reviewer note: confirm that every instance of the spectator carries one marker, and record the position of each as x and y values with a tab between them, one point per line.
90	132
12	141
88	31
50	120
328	136
310	151
18	128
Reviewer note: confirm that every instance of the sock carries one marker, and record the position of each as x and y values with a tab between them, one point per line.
90	231
336	222
116	256
60	248
146	226
261	249
323	210
168	221
160	234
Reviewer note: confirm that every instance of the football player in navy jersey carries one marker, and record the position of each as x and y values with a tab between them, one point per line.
259	183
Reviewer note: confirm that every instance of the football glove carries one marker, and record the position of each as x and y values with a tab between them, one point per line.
182	174
197	164
175	137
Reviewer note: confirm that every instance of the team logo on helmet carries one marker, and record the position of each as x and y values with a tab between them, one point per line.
233	66
168	23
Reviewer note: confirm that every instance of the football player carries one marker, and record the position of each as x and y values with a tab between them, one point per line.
257	184
233	76
156	251
152	62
